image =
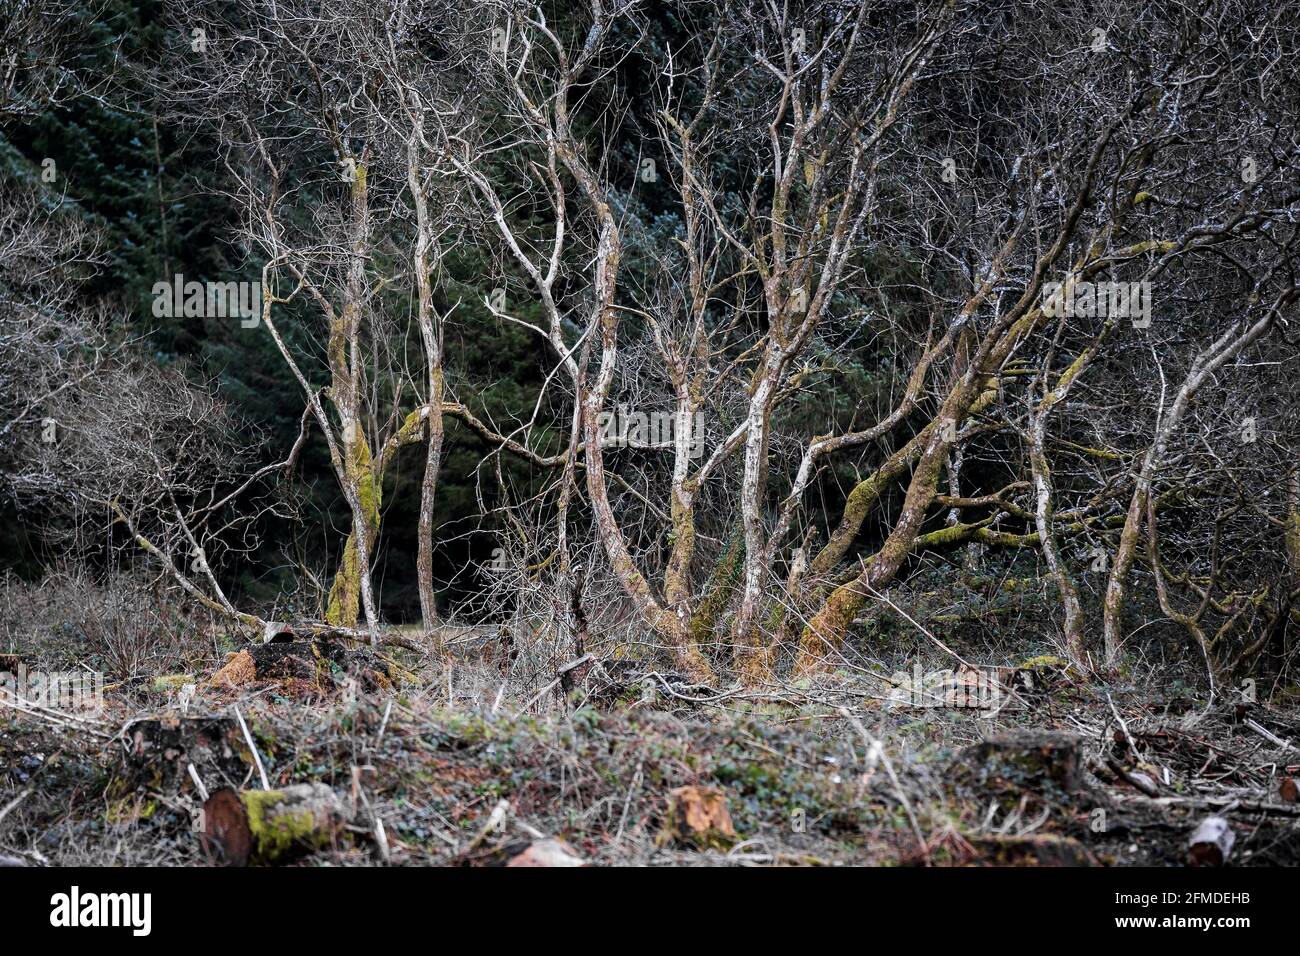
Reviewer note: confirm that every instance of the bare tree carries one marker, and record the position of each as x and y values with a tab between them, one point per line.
843	122
323	120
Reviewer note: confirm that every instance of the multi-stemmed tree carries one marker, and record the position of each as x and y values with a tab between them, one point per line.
1015	151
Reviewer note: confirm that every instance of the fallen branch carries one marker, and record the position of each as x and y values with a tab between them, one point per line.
1211	843
1268	735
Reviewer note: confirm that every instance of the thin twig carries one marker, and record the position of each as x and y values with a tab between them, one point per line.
257	758
875	746
198	783
632	788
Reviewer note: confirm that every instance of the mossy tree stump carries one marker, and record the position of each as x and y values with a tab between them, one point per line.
314	662
271	826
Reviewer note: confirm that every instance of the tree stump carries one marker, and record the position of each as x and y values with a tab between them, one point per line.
271	826
158	753
310	662
1037	761
1211	843
698	815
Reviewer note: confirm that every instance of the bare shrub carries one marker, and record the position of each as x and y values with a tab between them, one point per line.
121	624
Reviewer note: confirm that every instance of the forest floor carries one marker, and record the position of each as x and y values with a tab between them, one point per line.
437	764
